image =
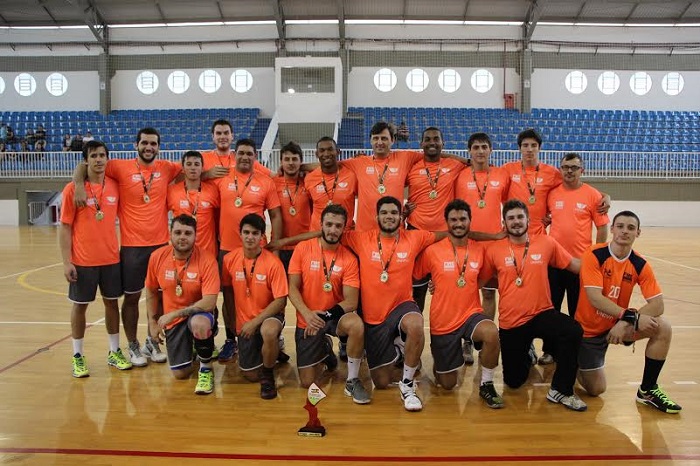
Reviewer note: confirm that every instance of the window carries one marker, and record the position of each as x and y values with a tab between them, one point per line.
241	81
608	82
2	85
178	82
449	80
209	81
482	81
417	80
385	80
672	84
56	84
640	82
25	84
147	82
576	82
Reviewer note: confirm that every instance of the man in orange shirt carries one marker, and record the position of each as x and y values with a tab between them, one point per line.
187	279
330	183
217	162
143	224
295	203
255	285
525	310
324	287
608	275
197	198
90	252
455	310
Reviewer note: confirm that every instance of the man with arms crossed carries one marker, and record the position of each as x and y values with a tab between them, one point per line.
608	275
187	278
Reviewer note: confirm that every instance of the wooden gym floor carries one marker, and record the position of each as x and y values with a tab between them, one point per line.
144	416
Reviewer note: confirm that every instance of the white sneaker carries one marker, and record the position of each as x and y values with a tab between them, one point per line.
151	349
408	394
281	342
137	359
572	402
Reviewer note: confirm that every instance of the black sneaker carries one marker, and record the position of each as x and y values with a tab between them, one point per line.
268	389
657	398
343	351
488	392
282	357
331	360
532	354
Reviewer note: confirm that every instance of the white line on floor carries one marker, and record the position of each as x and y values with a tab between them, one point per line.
674	263
31	270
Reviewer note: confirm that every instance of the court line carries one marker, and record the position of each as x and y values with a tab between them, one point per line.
30	271
356	459
673	263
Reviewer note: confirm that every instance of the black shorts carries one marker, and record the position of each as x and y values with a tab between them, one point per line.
379	339
312	350
220	261
285	257
591	353
107	277
447	349
179	341
250	349
134	260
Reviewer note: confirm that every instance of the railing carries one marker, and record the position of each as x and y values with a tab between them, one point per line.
648	165
35	210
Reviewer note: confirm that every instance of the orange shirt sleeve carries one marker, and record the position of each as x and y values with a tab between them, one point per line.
152	273
209	270
226	278
648	284
560	257
591	274
278	279
420	268
67	207
351	277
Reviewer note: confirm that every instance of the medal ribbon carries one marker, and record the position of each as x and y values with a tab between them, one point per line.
296	190
515	263
327	271
252	271
335	183
482	195
146	188
385	266
380	178
463	267
180	273
530	189
235	184
433	183
102	193
196	202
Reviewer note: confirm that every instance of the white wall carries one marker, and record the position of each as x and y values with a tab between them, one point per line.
302	107
9	212
82	93
661	214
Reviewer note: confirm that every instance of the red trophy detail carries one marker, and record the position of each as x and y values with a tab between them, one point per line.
313	428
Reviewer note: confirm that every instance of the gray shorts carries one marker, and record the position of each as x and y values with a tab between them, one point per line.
107	277
134	260
312	349
447	348
379	339
250	349
179	341
591	353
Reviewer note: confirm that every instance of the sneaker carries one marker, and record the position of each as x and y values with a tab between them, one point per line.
343	351
532	354
205	382
80	366
358	393
657	398
408	394
467	350
282	357
137	359
227	351
331	360
545	359
268	389
151	349
281	342
118	360
488	392
572	402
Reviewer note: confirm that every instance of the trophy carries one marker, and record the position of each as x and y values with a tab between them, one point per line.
313	428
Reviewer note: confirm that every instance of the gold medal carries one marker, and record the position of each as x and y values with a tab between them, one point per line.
330	203
461	282
146	198
238	202
292	211
433	194
381	189
178	291
481	204
99	215
531	199
327	287
518	281
384	277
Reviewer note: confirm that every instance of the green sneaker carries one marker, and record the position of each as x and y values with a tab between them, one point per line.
80	366
205	382
657	398
118	360
489	394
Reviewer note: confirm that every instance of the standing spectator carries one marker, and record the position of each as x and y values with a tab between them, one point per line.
76	144
67	141
40	135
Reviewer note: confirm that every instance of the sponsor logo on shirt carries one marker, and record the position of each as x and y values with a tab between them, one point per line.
516	178
471	185
261	277
319	188
375	256
231	186
240	276
205	204
393	169
184	204
315	265
135	177
604	315
90	201
191	275
111	199
508	261
536	258
342	184
495	184
559	205
156	174
337	269
170	275
448	266
473	265
254	188
581	206
626	277
369	170
401	256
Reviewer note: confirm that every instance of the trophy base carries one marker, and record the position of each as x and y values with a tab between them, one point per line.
307	431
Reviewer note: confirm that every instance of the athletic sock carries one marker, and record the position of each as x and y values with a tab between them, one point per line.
409	373
113	341
354	367
486	375
78	345
652	369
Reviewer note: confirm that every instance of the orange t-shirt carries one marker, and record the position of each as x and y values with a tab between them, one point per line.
266	281
543	179
294	195
260	195
368	171
616	279
143	223
451	305
93	242
206	199
198	278
429	213
519	304
379	299
307	262
344	193
486	219
573	211
212	159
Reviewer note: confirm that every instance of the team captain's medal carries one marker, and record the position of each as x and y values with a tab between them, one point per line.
327	271
481	203
239	196
381	189
384	276
433	194
146	187
99	215
461	281
292	200
519	272
179	273
531	189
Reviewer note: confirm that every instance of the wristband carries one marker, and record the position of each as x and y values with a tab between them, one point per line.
334	313
630	315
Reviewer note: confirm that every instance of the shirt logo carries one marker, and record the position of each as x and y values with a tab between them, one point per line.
135	177
184	204
231	186
474	265
495	184
191	275
170	275
205	204
445	170
559	205
156	174
516	178
627	277
315	265
319	188
375	256
581	205
471	185
369	170
508	261
260	277
540	180
608	273
111	199
536	257
254	188
240	276
337	269
421	171
402	255
393	169
90	201
342	184
448	266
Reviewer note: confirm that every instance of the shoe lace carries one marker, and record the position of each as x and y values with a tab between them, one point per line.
658	392
80	363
